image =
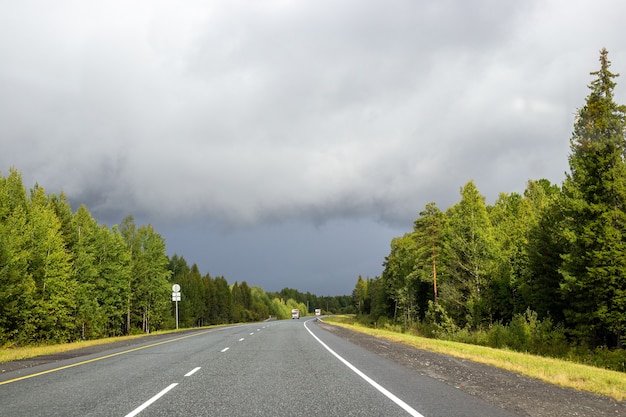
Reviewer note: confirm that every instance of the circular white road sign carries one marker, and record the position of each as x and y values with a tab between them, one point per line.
176	288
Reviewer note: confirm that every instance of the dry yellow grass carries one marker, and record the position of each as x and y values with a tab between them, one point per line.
8	354
12	354
554	371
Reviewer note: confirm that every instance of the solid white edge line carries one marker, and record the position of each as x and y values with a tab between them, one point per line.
150	401
369	380
193	371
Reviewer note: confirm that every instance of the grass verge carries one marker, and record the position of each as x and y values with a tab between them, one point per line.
554	371
26	352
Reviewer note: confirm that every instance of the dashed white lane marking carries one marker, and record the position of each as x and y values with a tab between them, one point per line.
224	350
251	333
193	371
104	357
150	401
369	380
241	340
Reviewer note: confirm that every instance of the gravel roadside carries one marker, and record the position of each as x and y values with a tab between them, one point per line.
517	393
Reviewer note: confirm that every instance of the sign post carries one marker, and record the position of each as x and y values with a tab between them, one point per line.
176	298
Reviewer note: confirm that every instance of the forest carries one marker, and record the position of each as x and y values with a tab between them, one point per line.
543	271
65	277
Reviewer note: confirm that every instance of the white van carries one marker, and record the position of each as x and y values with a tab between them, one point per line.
295	313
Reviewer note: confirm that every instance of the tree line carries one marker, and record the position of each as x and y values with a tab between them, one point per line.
207	300
65	277
550	262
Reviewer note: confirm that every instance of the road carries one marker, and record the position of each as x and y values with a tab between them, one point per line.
283	368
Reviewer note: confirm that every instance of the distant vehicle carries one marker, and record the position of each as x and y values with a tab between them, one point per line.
295	313
318	311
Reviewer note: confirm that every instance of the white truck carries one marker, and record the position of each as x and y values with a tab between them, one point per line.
295	313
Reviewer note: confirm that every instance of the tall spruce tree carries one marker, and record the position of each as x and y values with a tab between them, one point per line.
540	286
594	265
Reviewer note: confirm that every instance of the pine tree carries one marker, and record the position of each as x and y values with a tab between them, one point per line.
428	230
594	267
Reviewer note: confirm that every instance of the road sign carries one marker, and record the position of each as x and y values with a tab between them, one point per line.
176	297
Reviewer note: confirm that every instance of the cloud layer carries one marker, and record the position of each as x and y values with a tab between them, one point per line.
250	113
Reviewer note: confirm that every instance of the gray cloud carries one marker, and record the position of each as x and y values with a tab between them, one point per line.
245	115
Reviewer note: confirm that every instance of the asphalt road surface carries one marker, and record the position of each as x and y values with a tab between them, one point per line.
283	368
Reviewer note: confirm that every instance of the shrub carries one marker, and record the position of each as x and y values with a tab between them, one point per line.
497	336
602	357
437	317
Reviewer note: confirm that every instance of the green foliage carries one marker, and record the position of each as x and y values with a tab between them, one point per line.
601	357
526	333
428	233
543	271
149	303
360	295
471	253
340	304
279	309
17	300
594	207
65	277
439	320
540	287
400	277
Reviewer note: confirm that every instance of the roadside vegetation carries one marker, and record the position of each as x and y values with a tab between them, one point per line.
542	272
66	278
554	371
26	352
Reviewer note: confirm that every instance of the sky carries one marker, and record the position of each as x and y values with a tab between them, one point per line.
285	143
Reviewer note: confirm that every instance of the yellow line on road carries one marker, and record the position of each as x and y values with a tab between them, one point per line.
100	358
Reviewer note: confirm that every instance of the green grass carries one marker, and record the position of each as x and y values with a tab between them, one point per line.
25	352
554	371
8	354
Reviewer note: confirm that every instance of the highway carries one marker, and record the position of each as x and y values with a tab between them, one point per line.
285	368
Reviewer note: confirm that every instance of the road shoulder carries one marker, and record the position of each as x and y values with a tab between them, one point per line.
508	390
